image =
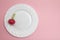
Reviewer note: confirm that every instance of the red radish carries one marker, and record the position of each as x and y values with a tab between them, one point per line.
12	21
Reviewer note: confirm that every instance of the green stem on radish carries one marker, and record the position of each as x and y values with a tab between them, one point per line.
13	16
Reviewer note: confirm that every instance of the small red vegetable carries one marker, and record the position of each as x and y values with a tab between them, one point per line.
12	21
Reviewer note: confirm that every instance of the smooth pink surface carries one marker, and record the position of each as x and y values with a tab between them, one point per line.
49	19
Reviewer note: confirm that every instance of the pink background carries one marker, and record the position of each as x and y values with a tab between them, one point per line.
49	19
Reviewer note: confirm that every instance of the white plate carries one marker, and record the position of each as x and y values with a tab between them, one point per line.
26	20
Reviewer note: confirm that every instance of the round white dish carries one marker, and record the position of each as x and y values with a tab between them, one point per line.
26	20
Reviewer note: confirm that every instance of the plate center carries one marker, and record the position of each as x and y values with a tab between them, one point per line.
23	19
